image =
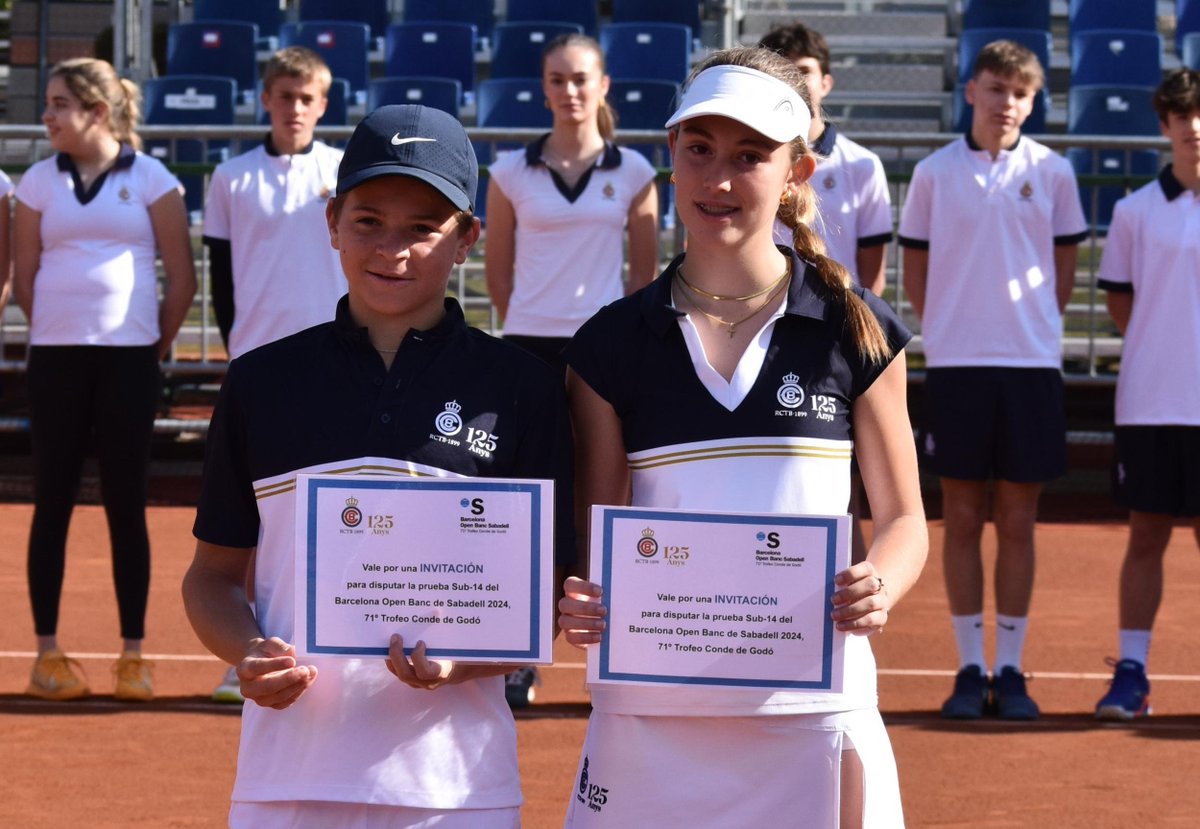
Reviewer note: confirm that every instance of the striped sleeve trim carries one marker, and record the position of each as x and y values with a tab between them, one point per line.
916	244
1115	287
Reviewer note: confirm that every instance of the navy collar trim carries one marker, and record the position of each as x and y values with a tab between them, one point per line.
975	146
609	159
272	151
1170	185
805	295
824	144
124	160
352	333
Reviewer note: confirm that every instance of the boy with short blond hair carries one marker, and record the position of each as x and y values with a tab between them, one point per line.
990	231
1149	269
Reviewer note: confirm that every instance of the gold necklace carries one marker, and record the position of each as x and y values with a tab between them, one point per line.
732	326
721	298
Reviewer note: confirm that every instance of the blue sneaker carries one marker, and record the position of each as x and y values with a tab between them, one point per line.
1128	694
1009	697
970	697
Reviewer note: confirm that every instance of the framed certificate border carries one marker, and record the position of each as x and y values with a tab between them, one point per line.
540	567
608	515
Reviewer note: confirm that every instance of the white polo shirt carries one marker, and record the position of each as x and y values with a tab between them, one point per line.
96	283
271	208
991	227
569	241
1153	251
854	207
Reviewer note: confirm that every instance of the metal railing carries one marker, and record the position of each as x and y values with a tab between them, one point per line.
1089	340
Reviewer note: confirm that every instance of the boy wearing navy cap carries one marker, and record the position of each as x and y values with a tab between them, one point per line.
406	741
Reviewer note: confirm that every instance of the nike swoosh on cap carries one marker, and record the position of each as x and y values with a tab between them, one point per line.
397	140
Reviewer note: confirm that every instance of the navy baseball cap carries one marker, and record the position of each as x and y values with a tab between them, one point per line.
415	141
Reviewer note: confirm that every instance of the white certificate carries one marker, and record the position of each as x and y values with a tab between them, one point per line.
464	564
718	599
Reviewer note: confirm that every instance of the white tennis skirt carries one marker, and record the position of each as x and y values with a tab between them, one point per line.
731	772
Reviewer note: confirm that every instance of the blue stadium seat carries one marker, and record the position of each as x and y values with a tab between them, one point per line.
1187	22
686	12
518	49
337	111
341	45
219	48
581	12
1098	200
372	12
440	93
431	49
1111	110
1035	124
189	100
660	51
1116	56
507	102
1139	15
972	40
646	105
1006	14
1190	51
479	12
265	14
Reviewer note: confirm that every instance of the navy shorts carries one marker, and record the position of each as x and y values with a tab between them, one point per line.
985	422
1157	469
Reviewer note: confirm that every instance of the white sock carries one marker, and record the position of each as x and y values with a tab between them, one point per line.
1010	640
968	633
1135	645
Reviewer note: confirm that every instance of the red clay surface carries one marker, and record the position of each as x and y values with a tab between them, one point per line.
171	763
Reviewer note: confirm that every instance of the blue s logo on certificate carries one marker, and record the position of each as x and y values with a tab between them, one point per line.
464	564
718	599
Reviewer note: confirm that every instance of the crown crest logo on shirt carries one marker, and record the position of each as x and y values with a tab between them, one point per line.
454	407
1026	190
791	379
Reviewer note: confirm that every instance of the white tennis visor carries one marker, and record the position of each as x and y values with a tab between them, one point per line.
761	102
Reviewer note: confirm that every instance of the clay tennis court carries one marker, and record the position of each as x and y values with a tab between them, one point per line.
97	763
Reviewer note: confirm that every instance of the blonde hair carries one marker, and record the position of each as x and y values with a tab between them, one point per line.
297	62
606	117
797	212
93	82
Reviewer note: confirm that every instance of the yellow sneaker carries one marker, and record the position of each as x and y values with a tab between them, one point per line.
54	677
135	682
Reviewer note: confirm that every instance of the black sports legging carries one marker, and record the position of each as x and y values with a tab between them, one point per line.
78	393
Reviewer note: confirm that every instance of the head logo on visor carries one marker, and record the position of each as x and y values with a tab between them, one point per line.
756	99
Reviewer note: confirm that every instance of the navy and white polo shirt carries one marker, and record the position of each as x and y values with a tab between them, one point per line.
784	448
1153	251
991	227
321	401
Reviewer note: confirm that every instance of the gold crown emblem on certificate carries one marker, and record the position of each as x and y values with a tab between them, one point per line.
453	406
352	501
647	533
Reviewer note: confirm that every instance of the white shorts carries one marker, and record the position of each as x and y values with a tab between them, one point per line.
326	814
719	772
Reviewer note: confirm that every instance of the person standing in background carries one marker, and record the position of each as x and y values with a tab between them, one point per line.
88	222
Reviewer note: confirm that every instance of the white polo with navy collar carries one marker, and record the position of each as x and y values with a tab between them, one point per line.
1153	251
991	227
569	241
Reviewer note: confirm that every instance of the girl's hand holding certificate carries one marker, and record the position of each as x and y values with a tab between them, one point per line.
581	615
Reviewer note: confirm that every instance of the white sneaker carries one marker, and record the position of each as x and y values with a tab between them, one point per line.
230	689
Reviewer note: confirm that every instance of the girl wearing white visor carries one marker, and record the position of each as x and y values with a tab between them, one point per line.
739	381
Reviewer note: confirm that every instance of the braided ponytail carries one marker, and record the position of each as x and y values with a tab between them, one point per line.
797	214
127	113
